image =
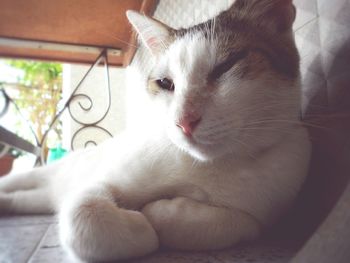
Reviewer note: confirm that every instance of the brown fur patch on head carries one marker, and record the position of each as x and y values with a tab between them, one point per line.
273	15
255	26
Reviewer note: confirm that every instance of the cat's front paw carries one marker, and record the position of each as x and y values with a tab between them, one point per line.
186	224
95	230
165	216
164	211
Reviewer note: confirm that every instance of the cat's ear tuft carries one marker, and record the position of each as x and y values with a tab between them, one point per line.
276	15
155	35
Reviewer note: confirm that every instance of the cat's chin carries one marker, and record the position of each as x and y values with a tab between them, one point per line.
200	152
200	155
207	153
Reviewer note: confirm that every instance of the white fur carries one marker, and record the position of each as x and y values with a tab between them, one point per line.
154	185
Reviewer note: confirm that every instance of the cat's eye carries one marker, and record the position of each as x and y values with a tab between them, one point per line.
166	84
227	64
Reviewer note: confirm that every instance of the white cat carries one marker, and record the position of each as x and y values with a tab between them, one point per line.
223	155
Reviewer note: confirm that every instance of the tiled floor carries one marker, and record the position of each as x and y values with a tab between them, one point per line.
34	239
29	239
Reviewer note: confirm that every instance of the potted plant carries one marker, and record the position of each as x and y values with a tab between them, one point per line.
6	161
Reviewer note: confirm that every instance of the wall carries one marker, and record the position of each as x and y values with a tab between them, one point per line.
95	87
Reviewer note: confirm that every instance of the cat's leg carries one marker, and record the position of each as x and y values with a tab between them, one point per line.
185	224
35	201
23	181
93	228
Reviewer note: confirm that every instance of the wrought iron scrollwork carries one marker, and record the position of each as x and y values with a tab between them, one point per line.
6	102
89	142
90	127
13	141
85	104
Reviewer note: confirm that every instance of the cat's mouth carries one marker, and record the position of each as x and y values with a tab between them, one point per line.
202	150
199	147
201	139
194	141
206	142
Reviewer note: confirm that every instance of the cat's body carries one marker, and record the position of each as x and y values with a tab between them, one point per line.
224	158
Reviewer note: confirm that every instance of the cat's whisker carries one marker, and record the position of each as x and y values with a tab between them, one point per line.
194	163
212	34
262	128
269	106
259	137
301	123
325	116
246	147
165	45
116	38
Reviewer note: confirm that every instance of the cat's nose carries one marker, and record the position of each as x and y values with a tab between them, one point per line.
188	124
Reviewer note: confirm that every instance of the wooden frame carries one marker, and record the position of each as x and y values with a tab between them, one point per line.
85	26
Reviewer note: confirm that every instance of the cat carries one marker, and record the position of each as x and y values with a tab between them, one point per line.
224	155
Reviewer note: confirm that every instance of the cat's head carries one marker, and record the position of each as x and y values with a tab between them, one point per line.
231	84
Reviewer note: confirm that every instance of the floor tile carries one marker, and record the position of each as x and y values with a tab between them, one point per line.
34	239
17	243
6	221
50	249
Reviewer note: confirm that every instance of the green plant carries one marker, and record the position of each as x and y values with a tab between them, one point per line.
14	153
37	93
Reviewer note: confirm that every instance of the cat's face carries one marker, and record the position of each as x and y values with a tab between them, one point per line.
229	83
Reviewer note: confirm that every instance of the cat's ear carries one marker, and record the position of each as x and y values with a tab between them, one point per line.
276	15
155	35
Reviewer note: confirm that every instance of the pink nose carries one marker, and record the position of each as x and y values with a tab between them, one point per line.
188	125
